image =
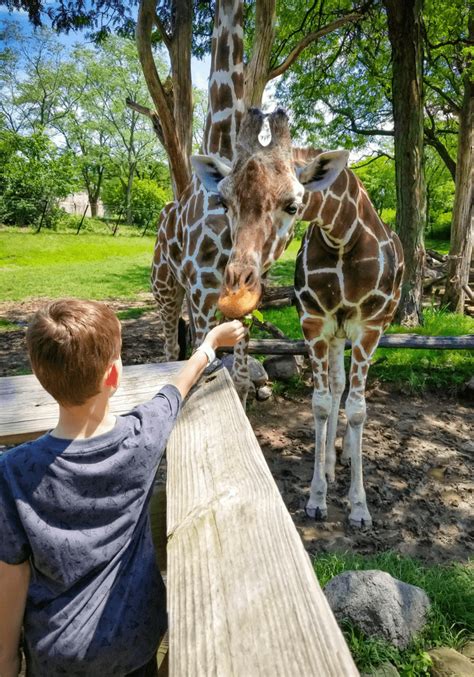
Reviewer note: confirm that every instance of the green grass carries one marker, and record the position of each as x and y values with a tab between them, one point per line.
440	246
450	623
413	370
419	370
52	265
133	313
6	326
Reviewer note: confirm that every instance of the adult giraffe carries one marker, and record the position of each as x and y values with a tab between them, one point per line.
347	282
236	217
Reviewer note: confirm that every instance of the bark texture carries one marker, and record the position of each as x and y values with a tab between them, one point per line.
461	226
404	27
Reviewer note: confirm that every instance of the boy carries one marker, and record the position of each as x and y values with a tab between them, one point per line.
77	564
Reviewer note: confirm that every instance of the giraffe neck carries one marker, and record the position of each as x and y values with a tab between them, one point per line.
343	210
226	82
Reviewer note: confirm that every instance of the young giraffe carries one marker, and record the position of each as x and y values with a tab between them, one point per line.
347	282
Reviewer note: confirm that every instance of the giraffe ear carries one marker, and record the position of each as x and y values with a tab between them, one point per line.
323	170
210	171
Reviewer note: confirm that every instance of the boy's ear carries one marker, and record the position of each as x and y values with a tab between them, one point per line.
112	376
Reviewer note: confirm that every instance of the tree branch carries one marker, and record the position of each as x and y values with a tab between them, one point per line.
177	157
454	106
162	31
372	159
151	114
312	37
353	124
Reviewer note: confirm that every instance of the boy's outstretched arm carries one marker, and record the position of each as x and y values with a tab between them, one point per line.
14	581
226	334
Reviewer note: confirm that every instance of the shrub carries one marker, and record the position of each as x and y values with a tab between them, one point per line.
148	199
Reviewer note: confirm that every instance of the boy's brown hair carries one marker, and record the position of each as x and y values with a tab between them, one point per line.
71	343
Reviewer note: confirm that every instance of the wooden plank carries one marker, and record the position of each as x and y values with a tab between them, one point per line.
27	410
417	341
243	598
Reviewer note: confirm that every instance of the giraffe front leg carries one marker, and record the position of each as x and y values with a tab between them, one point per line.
362	350
318	350
240	369
169	295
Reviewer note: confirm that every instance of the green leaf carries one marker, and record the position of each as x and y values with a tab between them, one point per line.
257	315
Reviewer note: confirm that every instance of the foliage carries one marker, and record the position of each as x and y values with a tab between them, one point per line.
451	592
147	200
77	98
34	174
378	177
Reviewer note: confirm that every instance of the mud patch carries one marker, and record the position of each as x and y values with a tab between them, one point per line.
418	469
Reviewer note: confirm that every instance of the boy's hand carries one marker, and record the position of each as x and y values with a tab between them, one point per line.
226	334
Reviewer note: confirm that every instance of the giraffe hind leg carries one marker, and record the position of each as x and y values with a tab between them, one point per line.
363	348
337	382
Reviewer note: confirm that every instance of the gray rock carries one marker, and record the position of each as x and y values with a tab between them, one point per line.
449	663
470	384
264	393
384	670
281	367
379	605
468	650
257	373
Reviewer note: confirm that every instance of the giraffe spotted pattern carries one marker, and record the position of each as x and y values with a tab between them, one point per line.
348	280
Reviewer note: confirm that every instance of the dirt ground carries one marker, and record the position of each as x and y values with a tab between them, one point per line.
418	457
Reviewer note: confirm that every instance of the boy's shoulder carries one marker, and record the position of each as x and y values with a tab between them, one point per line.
16	455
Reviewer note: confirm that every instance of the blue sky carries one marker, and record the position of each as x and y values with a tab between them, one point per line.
200	69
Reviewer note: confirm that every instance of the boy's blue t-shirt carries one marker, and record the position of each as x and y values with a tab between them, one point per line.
78	509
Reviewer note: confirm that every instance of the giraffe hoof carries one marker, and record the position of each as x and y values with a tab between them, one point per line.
330	476
317	514
362	523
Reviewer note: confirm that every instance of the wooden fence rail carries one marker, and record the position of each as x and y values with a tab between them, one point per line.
417	341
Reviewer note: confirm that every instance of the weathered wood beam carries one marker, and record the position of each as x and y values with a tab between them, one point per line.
278	296
295	347
243	599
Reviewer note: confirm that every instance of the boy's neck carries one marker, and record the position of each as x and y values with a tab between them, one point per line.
87	420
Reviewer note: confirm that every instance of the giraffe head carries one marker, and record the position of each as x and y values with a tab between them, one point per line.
262	195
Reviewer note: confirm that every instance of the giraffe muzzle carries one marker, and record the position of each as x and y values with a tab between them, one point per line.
241	292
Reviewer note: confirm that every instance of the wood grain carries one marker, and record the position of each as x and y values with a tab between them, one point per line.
27	410
242	595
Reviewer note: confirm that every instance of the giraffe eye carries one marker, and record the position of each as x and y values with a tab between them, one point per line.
292	208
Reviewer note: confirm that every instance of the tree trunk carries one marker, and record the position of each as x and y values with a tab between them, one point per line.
258	68
461	225
180	55
94	205
404	28
128	195
168	104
